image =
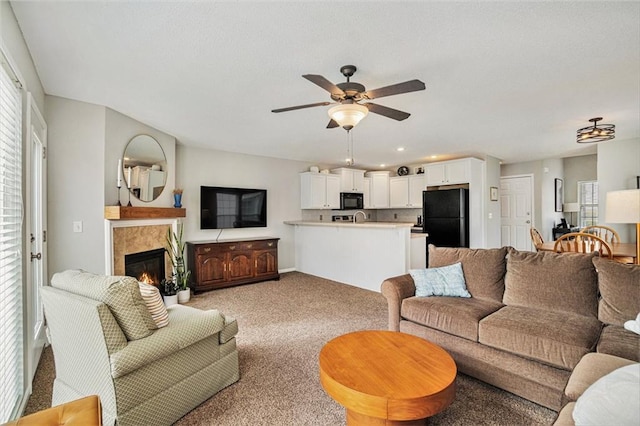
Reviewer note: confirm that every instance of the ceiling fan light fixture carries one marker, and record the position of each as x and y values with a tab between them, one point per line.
596	133
348	115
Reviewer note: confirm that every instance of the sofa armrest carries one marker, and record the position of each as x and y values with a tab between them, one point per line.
395	290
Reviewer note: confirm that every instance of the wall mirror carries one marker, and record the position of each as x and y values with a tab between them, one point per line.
144	167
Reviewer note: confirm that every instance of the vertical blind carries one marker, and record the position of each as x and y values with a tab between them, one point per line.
11	334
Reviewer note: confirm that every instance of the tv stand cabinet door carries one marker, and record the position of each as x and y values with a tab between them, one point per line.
240	266
211	269
266	263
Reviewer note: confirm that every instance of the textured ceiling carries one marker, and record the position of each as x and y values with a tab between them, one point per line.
513	80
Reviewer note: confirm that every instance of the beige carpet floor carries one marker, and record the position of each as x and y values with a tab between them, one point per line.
283	325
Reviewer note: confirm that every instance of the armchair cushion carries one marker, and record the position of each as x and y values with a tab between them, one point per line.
186	326
120	294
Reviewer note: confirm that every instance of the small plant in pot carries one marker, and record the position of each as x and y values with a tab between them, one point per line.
175	249
169	290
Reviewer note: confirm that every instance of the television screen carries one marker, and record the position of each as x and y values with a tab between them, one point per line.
222	208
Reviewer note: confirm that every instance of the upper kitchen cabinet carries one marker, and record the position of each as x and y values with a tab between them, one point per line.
379	189
351	180
448	172
319	191
406	191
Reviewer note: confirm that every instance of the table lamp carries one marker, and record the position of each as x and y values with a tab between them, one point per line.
571	208
624	207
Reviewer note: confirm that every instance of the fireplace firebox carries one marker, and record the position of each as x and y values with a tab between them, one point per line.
146	266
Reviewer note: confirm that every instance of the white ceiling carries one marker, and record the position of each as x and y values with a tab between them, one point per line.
513	80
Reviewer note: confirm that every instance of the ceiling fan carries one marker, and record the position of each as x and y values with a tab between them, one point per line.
348	96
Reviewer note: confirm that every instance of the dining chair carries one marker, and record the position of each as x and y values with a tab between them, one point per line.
580	242
608	234
536	238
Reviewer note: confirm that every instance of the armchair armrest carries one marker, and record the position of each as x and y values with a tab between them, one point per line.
395	290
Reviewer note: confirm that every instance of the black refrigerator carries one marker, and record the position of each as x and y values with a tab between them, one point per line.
446	217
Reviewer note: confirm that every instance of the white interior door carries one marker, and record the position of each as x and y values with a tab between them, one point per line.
36	217
516	217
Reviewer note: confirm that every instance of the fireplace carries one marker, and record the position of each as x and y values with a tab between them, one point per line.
147	266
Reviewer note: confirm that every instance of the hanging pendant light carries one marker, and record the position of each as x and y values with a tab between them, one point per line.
348	115
596	133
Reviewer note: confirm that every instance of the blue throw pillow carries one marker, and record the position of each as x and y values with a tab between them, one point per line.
443	281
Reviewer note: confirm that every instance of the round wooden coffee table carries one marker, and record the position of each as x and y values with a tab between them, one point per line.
387	377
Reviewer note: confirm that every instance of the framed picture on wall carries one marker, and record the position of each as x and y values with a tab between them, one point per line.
559	191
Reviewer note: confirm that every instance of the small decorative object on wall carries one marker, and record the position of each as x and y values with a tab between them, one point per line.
177	198
493	193
418	170
559	194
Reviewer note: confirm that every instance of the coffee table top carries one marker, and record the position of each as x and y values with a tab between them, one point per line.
388	374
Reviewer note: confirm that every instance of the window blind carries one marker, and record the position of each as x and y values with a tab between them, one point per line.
11	333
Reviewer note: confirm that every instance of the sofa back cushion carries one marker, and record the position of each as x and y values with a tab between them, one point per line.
562	282
619	286
120	294
483	269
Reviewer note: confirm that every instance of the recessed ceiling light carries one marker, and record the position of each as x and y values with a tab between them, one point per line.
400	148
434	156
382	165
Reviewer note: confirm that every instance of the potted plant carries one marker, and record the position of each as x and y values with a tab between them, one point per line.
169	289
175	249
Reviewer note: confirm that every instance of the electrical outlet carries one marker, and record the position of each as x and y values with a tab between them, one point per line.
395	215
320	217
77	226
369	216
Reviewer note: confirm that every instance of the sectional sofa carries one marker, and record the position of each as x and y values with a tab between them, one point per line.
530	319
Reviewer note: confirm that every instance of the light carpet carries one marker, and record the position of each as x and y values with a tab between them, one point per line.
283	325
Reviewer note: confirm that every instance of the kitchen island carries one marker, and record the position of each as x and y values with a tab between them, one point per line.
361	254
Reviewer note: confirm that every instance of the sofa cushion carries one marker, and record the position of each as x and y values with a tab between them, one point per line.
442	281
619	286
615	340
554	338
483	269
452	315
120	294
561	282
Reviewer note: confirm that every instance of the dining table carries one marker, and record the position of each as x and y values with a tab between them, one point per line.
619	250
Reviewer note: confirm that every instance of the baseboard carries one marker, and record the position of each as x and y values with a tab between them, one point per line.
282	271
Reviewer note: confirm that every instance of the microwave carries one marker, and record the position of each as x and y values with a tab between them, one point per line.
351	201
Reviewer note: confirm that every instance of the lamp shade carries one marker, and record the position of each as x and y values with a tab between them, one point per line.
348	115
571	207
623	206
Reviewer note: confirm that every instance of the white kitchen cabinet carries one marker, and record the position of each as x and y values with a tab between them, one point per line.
406	191
319	191
448	172
379	189
351	180
366	193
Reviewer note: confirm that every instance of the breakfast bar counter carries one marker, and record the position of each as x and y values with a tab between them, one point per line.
361	254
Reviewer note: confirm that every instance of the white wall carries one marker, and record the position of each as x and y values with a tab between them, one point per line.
492	214
196	167
618	166
75	184
576	169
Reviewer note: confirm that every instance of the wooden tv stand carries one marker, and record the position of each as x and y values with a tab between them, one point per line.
232	262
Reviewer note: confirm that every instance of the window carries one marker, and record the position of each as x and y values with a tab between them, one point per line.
588	199
11	333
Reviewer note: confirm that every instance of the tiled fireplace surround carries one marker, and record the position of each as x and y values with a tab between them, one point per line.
124	237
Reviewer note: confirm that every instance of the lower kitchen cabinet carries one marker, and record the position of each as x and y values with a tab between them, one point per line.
227	263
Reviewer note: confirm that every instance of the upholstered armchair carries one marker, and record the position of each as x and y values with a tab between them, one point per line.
106	343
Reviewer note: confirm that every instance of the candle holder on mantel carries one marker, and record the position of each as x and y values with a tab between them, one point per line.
129	203
118	203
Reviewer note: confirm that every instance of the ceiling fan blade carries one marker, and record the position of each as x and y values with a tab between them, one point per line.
395	89
325	84
387	112
301	107
332	124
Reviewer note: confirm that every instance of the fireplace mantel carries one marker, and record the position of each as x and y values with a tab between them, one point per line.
126	213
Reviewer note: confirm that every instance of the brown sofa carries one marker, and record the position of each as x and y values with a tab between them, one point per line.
531	317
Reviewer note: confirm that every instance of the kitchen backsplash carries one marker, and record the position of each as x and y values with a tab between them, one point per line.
386	215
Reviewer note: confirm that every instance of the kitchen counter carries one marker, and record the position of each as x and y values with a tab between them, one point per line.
362	254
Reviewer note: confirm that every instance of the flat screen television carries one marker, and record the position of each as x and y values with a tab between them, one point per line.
222	208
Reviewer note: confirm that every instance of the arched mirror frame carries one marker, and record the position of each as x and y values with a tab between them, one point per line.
144	167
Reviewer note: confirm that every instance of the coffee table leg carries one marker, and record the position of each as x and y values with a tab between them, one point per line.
357	419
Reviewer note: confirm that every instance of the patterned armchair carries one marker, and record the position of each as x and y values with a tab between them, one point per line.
105	343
